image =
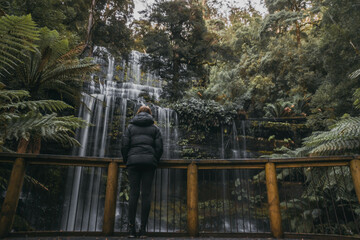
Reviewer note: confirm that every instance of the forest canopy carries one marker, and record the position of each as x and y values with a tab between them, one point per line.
224	81
299	59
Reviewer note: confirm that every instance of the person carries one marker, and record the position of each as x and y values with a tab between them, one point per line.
141	149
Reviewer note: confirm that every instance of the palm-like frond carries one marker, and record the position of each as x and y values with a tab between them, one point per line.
72	53
357	98
60	129
12	95
20	118
16	35
49	105
285	152
277	109
48	70
50	65
343	138
323	182
355	74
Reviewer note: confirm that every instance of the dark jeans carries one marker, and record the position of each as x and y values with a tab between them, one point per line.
140	175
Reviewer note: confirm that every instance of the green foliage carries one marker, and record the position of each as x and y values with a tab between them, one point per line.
316	206
110	26
203	114
342	138
297	106
357	98
20	118
278	110
17	34
301	53
178	45
125	190
52	71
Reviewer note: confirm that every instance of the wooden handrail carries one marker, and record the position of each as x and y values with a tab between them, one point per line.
246	163
192	165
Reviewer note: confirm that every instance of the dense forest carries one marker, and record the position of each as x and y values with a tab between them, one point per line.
299	60
296	67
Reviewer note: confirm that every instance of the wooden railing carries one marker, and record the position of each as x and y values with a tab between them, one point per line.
20	161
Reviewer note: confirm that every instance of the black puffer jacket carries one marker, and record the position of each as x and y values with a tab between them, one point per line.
142	142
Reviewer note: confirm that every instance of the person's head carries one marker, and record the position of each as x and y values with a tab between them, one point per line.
144	109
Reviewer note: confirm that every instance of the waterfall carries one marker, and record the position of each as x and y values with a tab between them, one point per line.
110	99
235	144
243	128
232	145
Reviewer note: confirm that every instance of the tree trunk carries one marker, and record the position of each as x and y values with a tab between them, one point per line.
296	8
35	145
298	37
176	78
88	41
205	10
22	145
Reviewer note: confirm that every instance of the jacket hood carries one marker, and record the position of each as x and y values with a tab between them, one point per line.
142	119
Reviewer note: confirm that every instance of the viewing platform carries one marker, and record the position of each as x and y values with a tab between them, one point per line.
290	198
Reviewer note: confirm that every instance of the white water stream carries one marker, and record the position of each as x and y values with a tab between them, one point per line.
110	100
106	107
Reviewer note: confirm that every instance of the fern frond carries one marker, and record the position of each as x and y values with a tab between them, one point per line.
50	105
48	126
16	34
357	98
285	152
12	95
277	109
355	74
336	147
67	71
72	53
35	182
344	137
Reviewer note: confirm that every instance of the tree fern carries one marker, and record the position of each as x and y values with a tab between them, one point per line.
16	35
47	67
49	105
11	95
343	138
20	118
53	68
48	127
277	109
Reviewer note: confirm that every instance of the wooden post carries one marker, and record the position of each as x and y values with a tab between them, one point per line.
11	200
192	200
110	198
355	173
273	200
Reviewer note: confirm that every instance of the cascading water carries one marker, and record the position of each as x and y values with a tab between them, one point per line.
232	145
109	101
